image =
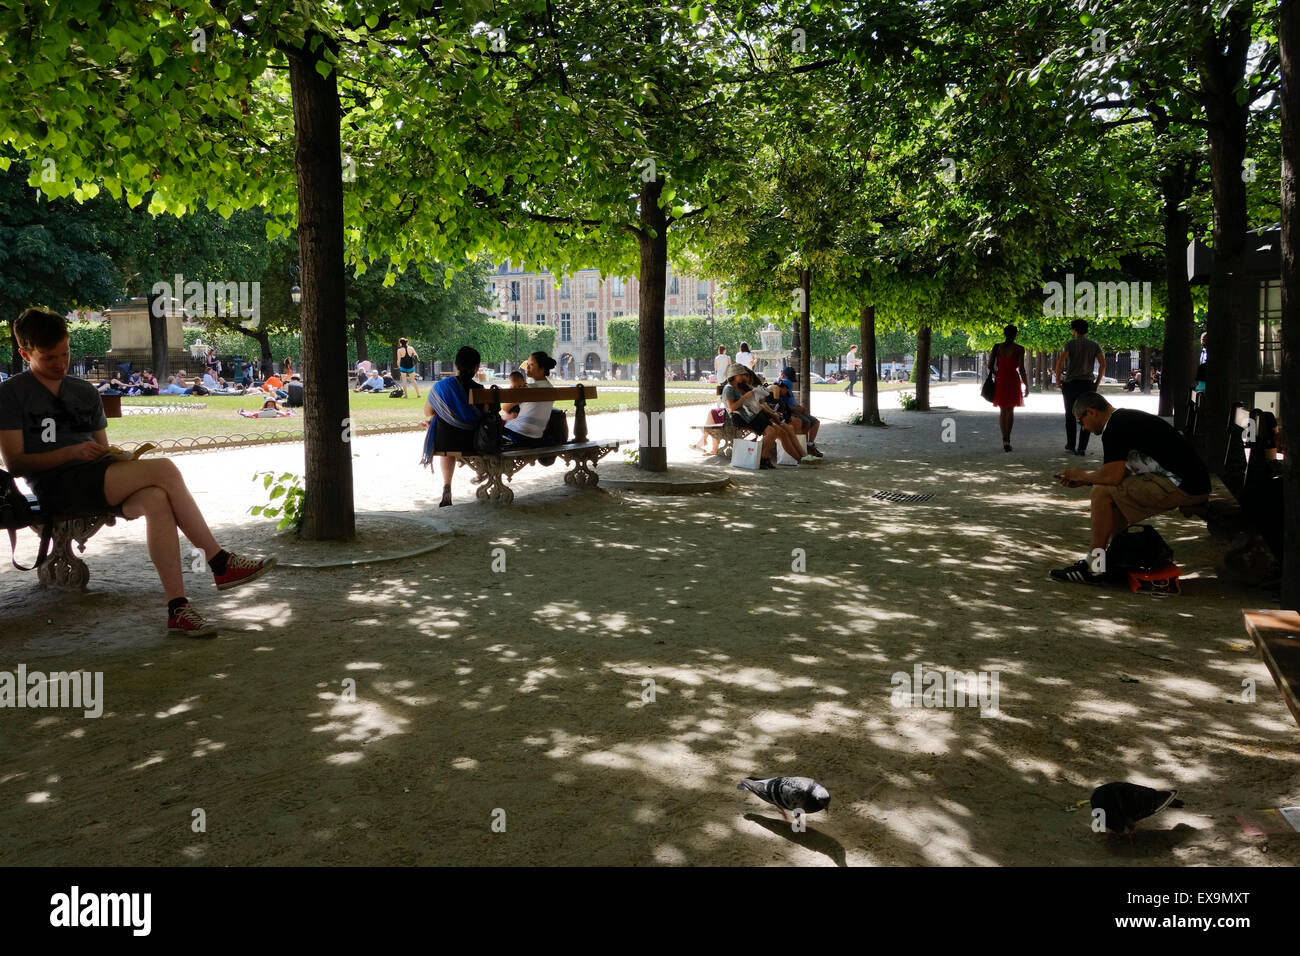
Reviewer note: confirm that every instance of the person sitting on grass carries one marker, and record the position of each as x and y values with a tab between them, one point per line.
1148	467
72	471
114	386
172	388
794	414
375	383
270	409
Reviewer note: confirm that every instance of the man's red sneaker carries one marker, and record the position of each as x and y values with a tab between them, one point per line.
187	622
241	570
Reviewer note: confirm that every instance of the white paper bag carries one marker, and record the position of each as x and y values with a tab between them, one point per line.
783	458
744	453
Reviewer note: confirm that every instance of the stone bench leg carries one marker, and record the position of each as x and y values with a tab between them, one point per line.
63	568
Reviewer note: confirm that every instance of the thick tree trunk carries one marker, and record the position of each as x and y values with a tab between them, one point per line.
1222	66
1289	35
921	370
1179	361
359	339
162	362
804	366
652	451
328	509
868	382
1144	366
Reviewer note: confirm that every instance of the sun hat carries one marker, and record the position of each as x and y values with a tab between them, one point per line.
736	369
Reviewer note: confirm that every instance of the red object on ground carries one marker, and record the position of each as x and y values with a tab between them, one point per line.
1164	580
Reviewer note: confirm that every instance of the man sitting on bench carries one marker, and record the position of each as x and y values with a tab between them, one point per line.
1147	468
53	433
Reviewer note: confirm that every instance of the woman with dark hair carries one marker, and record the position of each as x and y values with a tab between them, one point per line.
286	368
528	428
1007	363
451	418
406	359
745	357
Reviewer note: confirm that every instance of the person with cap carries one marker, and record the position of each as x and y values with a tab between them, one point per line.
744	399
795	415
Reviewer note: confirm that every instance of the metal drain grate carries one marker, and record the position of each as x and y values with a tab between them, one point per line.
899	497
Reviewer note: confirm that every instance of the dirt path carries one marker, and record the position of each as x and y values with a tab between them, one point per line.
523	691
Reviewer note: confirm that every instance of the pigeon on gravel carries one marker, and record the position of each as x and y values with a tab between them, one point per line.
788	793
1127	803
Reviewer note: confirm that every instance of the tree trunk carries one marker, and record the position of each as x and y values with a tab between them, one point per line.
359	338
162	361
1179	361
652	451
921	370
1289	35
870	360
1222	67
1144	366
803	368
328	509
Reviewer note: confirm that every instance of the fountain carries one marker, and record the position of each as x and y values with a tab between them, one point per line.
771	357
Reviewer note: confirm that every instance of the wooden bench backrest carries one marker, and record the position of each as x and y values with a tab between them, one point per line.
578	394
480	395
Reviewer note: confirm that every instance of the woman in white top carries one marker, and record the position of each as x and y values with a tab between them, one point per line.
528	427
745	357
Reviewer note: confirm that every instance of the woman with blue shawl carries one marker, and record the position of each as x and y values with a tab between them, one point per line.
451	418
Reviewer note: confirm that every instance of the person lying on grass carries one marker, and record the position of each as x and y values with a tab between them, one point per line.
53	434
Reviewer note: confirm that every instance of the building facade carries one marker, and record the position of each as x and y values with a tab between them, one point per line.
581	306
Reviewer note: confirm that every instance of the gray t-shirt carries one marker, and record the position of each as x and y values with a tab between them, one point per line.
1080	357
68	419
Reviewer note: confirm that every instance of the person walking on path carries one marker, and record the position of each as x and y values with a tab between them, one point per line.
721	362
406	359
854	363
1007	363
1074	372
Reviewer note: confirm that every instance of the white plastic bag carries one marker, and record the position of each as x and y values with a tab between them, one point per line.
784	458
744	453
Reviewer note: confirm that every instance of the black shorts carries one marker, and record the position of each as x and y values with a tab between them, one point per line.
758	424
450	438
74	489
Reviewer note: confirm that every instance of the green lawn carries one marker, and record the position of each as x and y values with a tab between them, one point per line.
220	417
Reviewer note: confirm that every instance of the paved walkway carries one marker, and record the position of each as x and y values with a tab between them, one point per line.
383	713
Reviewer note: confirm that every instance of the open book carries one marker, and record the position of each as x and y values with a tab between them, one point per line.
140	452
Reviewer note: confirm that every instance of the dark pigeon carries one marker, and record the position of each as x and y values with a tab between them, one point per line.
788	793
1127	803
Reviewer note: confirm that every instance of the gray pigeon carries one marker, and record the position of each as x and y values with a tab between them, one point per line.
789	793
1127	803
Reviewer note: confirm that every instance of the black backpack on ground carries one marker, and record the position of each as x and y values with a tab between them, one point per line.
1136	548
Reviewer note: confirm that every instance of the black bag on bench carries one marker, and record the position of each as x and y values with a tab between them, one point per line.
16	512
557	433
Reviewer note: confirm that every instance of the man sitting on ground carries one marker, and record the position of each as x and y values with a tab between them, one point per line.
374	383
1148	468
172	388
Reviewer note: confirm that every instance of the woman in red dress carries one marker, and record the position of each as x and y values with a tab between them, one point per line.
1007	363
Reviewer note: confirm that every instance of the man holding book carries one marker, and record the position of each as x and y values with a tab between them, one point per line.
53	434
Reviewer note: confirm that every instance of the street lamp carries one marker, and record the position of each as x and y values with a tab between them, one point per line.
514	297
296	294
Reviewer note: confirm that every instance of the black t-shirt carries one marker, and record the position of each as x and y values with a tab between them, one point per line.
49	422
1141	439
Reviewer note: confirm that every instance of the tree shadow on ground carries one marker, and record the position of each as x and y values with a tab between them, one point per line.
522	697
